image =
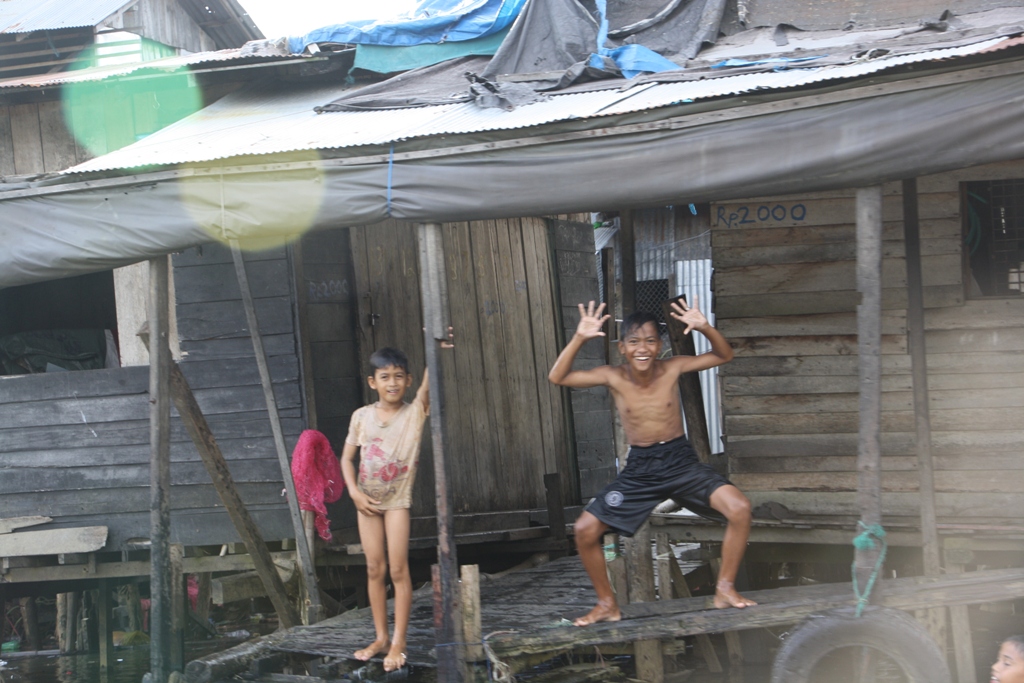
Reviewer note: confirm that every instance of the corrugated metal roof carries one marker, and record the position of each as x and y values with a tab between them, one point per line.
169	64
24	16
258	122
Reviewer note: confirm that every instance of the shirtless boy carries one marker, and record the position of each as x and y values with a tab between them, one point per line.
387	434
661	462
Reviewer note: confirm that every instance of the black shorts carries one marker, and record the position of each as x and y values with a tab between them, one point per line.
654	474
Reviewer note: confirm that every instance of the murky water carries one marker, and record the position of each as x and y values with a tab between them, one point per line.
129	666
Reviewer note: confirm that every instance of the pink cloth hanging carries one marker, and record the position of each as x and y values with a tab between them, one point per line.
317	475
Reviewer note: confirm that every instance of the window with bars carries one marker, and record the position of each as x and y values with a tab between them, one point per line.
994	237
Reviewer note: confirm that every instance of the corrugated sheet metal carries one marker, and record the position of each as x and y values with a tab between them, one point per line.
25	16
259	122
694	277
169	64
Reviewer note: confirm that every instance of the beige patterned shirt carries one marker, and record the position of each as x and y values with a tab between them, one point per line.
388	452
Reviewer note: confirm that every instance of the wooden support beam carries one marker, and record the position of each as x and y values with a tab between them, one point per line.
160	471
689	385
71	622
220	475
617	570
776	607
935	619
179	607
472	631
30	623
314	611
673	585
640	574
611	332
105	627
963	641
732	638
556	511
627	257
434	294
869	363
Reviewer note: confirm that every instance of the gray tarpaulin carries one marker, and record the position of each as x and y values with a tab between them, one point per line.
839	145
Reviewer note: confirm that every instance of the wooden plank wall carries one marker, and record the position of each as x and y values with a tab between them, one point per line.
786	299
327	292
167	22
576	262
507	424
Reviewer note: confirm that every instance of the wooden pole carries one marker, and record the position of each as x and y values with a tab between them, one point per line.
556	512
869	342
608	275
314	611
434	294
689	385
936	618
105	629
216	465
30	622
472	632
627	255
160	472
179	607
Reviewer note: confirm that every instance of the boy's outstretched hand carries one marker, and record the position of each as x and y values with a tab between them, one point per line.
689	315
591	321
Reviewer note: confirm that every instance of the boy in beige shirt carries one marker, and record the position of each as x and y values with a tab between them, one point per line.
387	434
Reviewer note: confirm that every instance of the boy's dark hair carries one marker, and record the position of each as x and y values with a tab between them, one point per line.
1018	642
635	321
387	356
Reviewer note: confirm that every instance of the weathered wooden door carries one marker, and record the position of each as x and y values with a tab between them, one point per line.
506	423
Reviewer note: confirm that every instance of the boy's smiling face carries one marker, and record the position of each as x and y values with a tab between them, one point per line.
641	347
390	383
1009	666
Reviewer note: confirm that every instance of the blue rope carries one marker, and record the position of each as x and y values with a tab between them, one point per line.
391	167
871	536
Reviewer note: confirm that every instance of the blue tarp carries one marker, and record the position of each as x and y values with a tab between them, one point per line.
432	21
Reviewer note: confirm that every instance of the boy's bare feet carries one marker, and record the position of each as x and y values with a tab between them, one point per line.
395	658
726	596
603	611
372	650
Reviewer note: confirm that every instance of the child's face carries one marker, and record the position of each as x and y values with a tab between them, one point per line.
1009	666
390	383
641	346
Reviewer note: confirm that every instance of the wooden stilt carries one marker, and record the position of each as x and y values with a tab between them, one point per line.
314	610
963	641
733	645
433	289
673	585
61	628
30	623
472	631
556	512
608	275
627	258
160	471
640	572
869	342
179	608
220	475
105	630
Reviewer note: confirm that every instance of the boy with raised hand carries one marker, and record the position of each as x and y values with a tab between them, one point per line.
661	463
387	434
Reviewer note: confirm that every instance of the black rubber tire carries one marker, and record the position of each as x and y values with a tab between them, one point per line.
890	631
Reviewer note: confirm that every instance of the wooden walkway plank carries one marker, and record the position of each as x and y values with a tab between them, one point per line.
86	539
678	618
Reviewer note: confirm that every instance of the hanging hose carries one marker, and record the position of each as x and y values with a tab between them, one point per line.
872	536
